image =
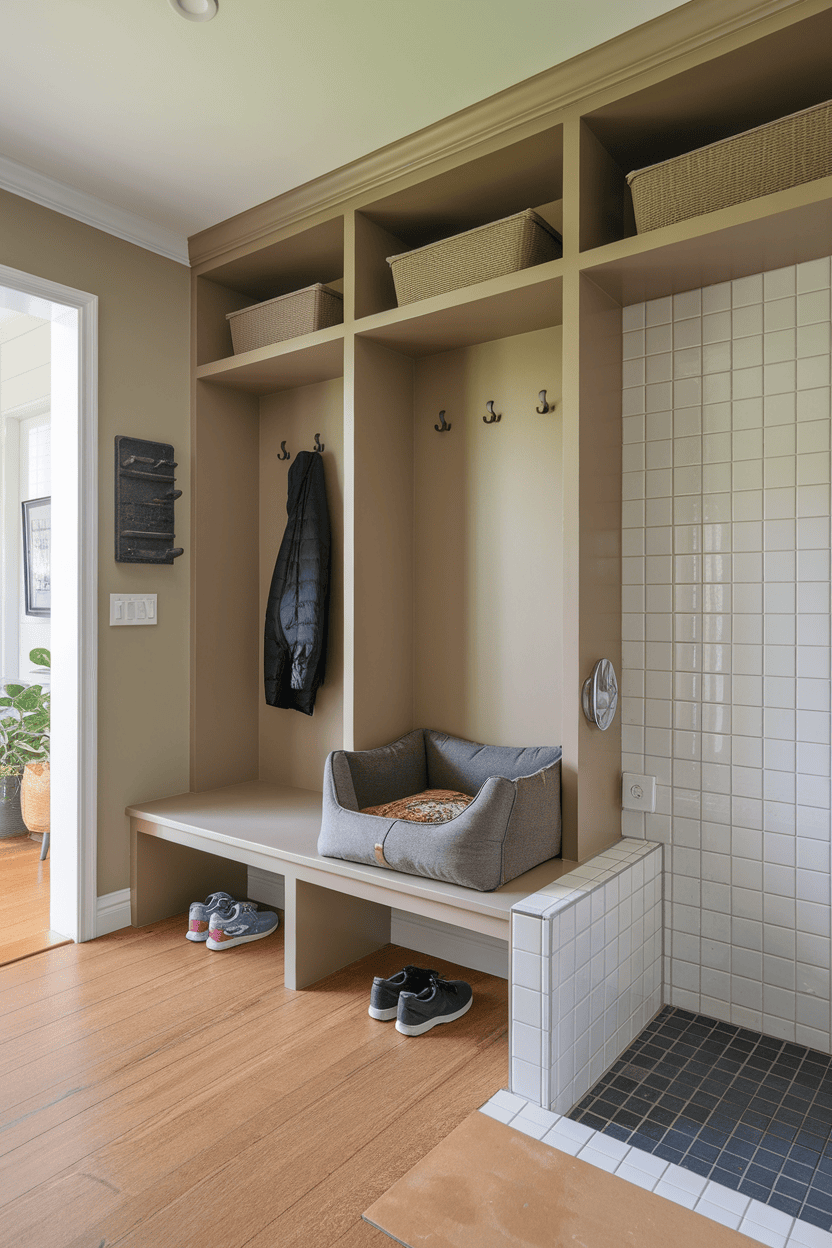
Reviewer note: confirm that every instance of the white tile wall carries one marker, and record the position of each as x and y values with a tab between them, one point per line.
585	972
683	1187
726	613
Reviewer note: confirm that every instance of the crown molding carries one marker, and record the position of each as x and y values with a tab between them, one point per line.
36	407
665	40
50	193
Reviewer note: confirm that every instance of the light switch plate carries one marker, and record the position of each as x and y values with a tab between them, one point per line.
638	792
132	609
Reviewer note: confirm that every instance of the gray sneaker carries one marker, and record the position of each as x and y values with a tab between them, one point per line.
384	996
240	926
441	1002
201	913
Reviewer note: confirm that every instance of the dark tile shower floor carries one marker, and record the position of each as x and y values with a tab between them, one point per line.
747	1111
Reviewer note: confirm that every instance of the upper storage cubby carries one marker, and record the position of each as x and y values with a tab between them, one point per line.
752	85
294	262
503	182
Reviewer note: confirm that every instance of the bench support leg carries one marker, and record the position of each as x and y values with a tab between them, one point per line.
165	878
326	930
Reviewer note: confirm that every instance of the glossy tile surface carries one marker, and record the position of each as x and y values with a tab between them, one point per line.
749	1112
726	639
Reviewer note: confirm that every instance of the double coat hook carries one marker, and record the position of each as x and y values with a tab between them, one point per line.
284	454
443	425
494	417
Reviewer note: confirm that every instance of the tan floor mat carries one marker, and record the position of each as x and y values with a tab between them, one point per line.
486	1186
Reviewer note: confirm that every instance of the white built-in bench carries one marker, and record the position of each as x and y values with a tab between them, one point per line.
193	844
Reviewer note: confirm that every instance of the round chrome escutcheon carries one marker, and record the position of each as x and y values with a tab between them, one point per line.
600	695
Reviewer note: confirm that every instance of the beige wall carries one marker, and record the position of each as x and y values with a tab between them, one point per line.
488	635
293	746
143	674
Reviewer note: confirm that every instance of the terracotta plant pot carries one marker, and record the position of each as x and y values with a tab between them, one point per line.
11	820
34	797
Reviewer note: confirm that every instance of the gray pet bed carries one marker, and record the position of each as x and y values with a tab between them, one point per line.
512	824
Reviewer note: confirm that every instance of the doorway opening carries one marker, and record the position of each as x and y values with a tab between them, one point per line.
48	614
25	624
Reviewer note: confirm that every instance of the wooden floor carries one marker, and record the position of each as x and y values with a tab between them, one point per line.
24	897
155	1093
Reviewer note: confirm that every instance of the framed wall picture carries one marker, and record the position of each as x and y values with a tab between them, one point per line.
37	555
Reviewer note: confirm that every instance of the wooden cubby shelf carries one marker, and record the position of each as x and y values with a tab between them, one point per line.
788	227
297	362
476	571
515	304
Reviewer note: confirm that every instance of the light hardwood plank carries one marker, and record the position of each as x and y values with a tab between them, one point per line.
46	1041
74	960
211	1087
24	887
26	947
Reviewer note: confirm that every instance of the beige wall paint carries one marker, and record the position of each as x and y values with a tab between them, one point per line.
488	636
225	625
143	673
293	746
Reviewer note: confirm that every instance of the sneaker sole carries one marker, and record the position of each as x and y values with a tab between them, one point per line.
418	1029
384	1016
238	940
196	935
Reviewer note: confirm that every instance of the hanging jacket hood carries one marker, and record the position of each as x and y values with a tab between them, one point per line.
294	657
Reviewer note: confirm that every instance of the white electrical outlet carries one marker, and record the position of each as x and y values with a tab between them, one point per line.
638	792
132	609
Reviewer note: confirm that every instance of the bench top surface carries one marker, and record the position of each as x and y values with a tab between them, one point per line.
284	823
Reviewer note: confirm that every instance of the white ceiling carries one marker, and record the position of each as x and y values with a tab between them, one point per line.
186	123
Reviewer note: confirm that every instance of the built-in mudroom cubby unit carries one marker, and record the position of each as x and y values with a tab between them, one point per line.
472	439
458	477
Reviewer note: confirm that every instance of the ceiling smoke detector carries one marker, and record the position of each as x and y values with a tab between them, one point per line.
195	10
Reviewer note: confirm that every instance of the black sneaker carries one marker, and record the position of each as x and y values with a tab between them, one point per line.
441	1002
384	998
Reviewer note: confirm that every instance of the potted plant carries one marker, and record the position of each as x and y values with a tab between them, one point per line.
24	752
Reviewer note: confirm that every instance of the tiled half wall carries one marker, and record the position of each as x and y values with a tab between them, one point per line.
726	609
586	958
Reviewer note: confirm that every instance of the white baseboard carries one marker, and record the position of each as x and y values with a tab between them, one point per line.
427	936
266	887
112	912
450	944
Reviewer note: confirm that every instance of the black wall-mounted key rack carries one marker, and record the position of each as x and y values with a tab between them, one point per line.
145	494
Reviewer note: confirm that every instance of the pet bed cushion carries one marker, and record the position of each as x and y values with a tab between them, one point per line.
432	806
511	824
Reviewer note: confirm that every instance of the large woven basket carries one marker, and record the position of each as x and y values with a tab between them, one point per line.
491	250
783	153
287	316
34	797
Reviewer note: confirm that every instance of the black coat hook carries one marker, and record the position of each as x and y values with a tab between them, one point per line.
443	426
284	454
319	445
494	417
546	406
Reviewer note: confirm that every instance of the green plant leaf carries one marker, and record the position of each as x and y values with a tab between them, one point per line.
41	656
6	702
14	690
29	699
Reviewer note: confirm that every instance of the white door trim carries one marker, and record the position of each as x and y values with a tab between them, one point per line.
74	317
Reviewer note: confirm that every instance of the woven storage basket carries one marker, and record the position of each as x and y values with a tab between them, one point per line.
504	246
34	797
287	316
769	158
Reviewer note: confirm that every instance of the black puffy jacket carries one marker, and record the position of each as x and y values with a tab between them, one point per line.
296	616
